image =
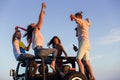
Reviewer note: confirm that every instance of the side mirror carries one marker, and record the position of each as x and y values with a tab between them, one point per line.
12	72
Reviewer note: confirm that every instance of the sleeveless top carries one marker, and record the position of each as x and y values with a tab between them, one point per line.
16	49
22	46
37	39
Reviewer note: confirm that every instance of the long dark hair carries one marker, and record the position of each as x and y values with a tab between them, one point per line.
52	41
29	32
14	35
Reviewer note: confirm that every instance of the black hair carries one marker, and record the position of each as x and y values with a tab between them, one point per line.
78	14
29	32
52	41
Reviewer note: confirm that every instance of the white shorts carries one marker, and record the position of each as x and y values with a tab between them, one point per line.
83	51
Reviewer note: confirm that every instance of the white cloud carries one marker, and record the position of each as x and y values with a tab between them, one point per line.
112	37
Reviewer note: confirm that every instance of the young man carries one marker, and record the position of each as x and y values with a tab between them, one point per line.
83	40
19	52
33	32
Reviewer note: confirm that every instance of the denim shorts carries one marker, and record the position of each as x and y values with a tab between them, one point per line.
23	57
40	52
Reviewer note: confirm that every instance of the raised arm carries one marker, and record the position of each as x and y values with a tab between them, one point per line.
88	21
16	28
41	16
77	20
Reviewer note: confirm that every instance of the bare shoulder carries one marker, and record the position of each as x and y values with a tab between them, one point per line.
61	46
36	29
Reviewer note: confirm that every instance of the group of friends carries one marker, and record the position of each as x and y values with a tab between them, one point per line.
34	36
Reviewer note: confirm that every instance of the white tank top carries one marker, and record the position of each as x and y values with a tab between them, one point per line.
37	39
16	49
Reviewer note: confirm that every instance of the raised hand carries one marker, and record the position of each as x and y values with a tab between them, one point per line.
43	5
16	28
72	17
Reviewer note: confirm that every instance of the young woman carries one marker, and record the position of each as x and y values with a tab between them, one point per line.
33	32
56	43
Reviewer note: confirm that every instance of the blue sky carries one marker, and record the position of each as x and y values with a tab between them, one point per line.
104	31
